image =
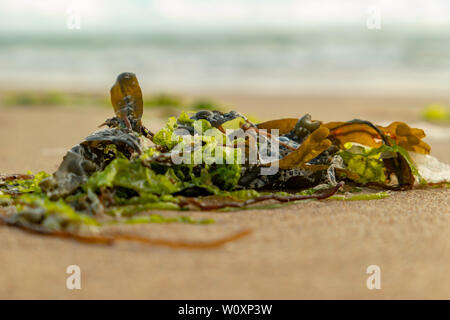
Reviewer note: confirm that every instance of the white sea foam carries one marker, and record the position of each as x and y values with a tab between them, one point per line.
430	168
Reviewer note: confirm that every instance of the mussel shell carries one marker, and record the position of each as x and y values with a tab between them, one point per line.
89	156
217	118
125	140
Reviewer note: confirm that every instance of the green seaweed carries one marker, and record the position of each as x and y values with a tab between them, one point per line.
204	104
54	211
365	196
368	162
436	113
364	161
150	181
156	218
163	100
165	137
27	185
135	176
127	210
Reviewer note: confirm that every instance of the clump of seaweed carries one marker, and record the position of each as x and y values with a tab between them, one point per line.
120	173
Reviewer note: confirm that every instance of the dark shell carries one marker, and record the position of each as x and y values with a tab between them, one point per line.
303	128
89	156
217	118
125	140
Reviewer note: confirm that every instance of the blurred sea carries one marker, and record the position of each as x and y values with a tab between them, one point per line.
328	55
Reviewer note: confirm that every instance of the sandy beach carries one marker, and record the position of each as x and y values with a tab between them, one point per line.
303	251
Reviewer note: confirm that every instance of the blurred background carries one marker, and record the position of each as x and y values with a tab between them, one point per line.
336	59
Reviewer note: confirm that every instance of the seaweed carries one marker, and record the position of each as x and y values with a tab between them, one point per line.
358	197
436	113
207	161
239	204
22	183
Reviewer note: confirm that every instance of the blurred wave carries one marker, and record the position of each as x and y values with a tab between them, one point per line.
216	46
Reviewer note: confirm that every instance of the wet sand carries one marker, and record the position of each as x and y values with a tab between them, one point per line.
307	250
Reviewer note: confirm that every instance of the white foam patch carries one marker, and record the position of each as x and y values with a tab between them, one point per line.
430	168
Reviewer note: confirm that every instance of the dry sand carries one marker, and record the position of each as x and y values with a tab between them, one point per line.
306	250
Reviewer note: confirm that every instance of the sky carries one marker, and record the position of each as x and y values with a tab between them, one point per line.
41	16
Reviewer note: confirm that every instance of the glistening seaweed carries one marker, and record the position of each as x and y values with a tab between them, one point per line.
205	161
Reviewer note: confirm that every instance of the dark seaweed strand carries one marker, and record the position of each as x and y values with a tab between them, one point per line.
435	184
368	123
109	240
400	188
442	184
384	186
236	204
184	244
38	229
17	176
147	133
12	192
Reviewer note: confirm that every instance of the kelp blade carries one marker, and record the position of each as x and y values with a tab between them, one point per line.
313	145
283	125
126	91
